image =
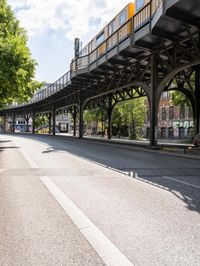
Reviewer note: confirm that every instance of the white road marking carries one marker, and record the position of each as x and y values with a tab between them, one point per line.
108	252
182	182
27	157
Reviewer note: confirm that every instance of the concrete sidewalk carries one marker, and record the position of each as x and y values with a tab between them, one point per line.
172	149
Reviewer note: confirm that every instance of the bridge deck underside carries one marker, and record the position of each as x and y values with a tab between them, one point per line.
172	35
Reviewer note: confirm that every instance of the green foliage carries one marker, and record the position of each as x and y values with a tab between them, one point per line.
41	121
17	68
180	99
131	113
96	115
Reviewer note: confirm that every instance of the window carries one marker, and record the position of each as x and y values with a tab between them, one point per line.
122	17
181	132
112	27
100	38
139	4
170	132
190	112
171	112
182	112
91	46
164	95
163	113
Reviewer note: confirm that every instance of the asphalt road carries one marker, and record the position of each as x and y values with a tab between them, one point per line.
151	215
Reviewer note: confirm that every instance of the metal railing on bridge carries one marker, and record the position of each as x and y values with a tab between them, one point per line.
42	94
60	84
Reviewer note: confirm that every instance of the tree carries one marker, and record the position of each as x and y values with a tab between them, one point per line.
129	114
41	121
132	113
95	115
180	99
17	68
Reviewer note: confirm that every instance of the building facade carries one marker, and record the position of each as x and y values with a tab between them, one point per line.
174	122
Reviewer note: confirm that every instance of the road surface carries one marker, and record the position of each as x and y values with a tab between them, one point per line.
72	202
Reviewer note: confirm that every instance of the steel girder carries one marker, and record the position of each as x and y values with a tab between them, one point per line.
167	51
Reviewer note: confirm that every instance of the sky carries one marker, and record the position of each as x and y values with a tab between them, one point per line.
52	26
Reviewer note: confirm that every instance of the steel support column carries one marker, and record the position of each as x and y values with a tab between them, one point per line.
13	122
81	126
53	120
4	123
197	103
153	101
50	118
33	122
74	114
27	120
110	109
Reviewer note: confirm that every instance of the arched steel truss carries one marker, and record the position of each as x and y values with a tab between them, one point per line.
161	54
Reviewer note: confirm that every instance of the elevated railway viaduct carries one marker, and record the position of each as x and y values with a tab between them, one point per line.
159	52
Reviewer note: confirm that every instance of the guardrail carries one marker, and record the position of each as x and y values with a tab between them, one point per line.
138	21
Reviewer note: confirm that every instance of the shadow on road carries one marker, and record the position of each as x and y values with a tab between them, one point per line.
8	147
182	181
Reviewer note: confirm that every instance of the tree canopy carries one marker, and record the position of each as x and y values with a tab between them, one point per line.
180	99
17	68
129	115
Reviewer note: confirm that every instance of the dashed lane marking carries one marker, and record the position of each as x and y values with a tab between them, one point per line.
108	252
27	157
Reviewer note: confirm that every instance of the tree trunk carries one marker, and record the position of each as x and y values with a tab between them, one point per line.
102	129
132	128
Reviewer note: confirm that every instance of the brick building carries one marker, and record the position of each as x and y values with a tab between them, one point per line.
174	122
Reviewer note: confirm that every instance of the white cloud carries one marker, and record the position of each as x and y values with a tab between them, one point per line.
72	18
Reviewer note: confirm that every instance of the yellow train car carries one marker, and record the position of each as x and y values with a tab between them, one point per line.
118	29
144	10
139	4
109	33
